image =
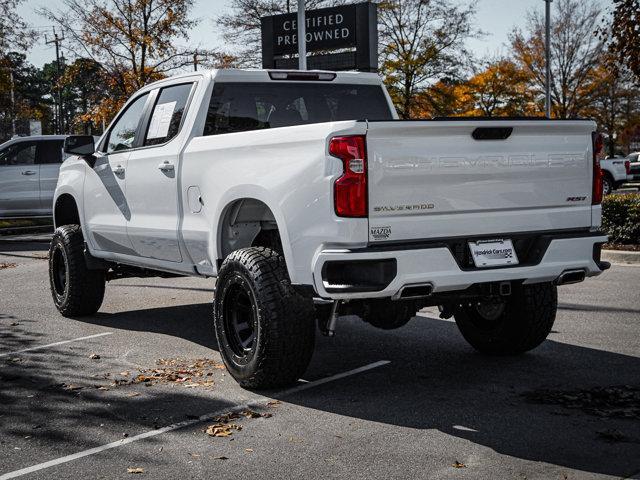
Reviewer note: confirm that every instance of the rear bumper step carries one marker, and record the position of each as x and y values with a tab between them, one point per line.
421	272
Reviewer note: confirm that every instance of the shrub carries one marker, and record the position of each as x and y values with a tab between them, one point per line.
621	218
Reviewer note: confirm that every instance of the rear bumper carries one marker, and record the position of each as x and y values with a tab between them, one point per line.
436	266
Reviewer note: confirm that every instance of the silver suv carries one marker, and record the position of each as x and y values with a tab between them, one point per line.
28	175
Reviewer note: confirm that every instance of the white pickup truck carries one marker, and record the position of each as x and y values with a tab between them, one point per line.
307	199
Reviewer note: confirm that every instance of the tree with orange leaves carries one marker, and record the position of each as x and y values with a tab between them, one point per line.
134	41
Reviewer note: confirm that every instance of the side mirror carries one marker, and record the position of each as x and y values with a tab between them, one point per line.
80	145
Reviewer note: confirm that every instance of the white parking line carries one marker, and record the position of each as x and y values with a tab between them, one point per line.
186	423
40	347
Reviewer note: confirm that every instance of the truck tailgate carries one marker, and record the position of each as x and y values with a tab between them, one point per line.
433	179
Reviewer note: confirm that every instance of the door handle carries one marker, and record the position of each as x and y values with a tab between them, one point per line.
166	166
28	172
119	170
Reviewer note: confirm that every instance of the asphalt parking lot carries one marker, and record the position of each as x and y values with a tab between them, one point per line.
135	387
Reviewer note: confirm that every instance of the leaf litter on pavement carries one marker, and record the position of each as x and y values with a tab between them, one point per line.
187	373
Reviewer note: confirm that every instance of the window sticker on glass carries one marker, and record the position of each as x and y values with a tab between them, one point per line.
161	120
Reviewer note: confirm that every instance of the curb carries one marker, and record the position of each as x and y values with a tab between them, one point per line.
621	256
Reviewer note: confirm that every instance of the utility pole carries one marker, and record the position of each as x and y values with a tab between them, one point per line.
195	61
302	37
57	40
547	53
13	102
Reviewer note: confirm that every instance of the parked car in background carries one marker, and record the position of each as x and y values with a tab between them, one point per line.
28	175
615	171
634	166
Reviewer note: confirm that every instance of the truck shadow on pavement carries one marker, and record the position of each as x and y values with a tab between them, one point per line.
434	382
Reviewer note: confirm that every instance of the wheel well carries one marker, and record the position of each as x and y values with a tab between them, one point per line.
248	222
66	211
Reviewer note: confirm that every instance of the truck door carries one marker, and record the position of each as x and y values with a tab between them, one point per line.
152	188
19	181
106	206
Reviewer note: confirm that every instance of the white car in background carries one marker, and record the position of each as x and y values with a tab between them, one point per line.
615	172
28	175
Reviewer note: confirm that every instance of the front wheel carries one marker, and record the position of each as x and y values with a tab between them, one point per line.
512	326
264	327
75	289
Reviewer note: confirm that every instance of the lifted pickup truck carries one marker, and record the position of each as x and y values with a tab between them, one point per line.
307	199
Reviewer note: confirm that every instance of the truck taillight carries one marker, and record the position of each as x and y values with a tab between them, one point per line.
598	144
350	190
627	166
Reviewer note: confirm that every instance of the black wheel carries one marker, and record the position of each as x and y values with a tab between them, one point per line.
265	329
75	289
388	314
607	185
512	326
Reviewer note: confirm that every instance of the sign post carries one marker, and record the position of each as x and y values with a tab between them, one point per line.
302	36
338	38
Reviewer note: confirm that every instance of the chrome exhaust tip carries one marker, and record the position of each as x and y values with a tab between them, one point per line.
417	290
570	276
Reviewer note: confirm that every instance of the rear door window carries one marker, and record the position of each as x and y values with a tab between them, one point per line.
167	114
239	107
49	151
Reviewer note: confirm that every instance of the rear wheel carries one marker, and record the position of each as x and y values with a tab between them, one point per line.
75	289
512	326
264	327
607	185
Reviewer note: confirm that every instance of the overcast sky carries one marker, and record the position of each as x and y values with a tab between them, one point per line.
496	17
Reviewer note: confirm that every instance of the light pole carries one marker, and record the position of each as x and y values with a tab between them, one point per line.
547	56
302	36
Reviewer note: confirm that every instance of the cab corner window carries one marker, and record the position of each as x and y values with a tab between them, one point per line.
123	134
167	114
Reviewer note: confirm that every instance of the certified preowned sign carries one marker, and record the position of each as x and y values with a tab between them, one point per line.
326	28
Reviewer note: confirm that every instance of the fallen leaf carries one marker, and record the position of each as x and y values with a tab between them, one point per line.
7	265
133	394
222	430
135	470
94	356
248	450
195	455
458	464
273	403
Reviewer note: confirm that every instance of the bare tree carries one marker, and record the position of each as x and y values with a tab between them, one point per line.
422	41
575	53
15	34
135	41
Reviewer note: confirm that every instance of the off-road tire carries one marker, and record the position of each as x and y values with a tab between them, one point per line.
525	322
76	290
388	314
282	320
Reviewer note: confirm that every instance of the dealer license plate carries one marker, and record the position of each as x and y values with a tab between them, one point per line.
493	253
